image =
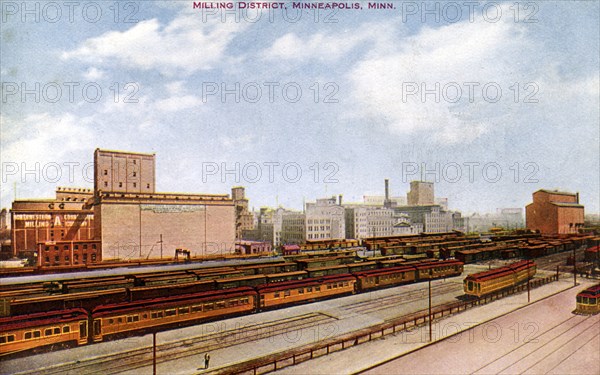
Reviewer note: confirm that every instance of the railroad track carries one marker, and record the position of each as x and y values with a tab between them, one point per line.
133	359
400	299
563	330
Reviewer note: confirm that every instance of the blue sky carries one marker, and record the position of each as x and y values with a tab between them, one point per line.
384	94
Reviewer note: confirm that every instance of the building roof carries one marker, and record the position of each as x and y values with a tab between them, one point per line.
555	192
562	204
126	152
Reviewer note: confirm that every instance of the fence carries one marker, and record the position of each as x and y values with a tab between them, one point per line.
292	357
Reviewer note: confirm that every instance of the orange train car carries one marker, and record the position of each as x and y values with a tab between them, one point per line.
124	318
588	301
35	331
482	283
289	292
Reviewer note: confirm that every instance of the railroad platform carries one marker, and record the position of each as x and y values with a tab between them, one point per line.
244	338
506	336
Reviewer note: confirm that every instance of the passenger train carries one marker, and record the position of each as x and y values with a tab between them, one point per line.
78	326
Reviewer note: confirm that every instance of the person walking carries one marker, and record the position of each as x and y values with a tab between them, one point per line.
206	360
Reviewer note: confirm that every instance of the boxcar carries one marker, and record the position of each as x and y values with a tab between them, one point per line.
289	292
126	318
39	330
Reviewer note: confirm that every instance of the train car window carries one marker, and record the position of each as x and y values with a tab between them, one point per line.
328	286
208	307
11	338
66	329
286	293
3	340
585	301
196	308
317	288
592	301
111	321
37	334
276	295
144	316
183	310
170	312
301	291
309	289
28	335
120	320
57	331
221	305
48	332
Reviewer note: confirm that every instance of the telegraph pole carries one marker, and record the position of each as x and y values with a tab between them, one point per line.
574	268
154	353
430	329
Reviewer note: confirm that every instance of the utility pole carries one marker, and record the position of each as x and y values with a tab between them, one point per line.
430	329
154	353
161	247
574	268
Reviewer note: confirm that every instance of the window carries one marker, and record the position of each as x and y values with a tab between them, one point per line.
57	331
105	172
8	338
28	335
66	258
120	184
317	288
286	293
156	315
170	312
105	184
111	321
37	334
134	174
134	184
183	310
301	291
196	308
309	289
221	305
133	318
48	332
93	257
120	320
47	248
147	186
66	329
208	307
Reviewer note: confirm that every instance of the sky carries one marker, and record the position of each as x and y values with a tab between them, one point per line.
491	101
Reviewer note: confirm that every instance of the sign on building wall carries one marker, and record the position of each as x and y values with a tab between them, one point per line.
171	208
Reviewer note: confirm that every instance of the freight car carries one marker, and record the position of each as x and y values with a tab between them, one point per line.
482	283
588	301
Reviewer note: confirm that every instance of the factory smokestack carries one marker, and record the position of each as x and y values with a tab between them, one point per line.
340	199
386	202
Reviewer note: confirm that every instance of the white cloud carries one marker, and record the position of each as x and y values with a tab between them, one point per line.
184	45
93	74
440	60
326	48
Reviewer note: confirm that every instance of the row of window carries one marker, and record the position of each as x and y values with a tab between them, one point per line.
393	276
35	334
67	258
587	300
180	311
75	247
288	292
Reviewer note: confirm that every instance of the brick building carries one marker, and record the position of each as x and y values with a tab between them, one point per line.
554	212
58	231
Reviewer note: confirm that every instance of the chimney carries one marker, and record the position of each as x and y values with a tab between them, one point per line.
577	196
387	190
340	199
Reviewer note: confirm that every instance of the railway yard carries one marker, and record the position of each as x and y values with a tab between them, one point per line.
302	313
